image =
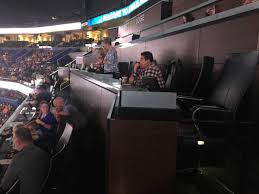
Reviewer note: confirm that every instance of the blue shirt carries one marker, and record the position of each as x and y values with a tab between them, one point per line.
111	61
50	120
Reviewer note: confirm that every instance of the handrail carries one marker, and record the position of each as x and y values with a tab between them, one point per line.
53	73
25	54
58	60
222	16
61	52
14	115
67	65
62	87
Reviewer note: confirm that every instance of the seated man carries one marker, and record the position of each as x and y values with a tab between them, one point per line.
146	68
29	166
63	108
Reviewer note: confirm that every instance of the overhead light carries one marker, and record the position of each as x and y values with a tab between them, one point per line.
16	86
53	18
44	29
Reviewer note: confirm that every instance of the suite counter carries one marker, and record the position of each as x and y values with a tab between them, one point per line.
140	154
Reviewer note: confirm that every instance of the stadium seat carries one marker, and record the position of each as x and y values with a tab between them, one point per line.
203	83
63	141
213	121
14	189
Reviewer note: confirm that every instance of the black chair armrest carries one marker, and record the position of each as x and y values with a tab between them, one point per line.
189	98
212	114
187	102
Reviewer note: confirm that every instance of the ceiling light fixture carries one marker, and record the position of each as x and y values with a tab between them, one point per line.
44	29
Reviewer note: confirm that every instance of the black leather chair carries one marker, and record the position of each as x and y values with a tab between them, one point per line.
238	74
203	83
14	189
63	141
215	117
174	75
61	160
123	68
61	126
213	132
131	67
46	180
150	83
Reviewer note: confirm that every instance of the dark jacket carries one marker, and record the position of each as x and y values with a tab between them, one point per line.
30	166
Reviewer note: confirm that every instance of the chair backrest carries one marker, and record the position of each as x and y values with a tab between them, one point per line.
203	82
45	181
63	141
61	125
51	89
123	68
14	189
238	74
131	67
174	75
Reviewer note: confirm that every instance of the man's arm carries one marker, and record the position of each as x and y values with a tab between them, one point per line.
160	79
135	76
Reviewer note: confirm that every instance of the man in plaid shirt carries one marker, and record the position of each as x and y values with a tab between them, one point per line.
146	68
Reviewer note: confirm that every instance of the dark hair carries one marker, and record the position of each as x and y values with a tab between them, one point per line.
147	56
189	17
116	44
107	40
23	133
44	102
101	52
99	42
42	87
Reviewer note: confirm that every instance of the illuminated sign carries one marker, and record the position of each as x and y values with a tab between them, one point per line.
116	14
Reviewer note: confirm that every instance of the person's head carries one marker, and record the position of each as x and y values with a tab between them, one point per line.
100	54
48	80
244	2
107	43
146	59
59	103
44	107
21	137
116	44
18	126
212	10
187	18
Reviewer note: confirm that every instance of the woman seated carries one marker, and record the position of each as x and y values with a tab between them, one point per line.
46	127
46	119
